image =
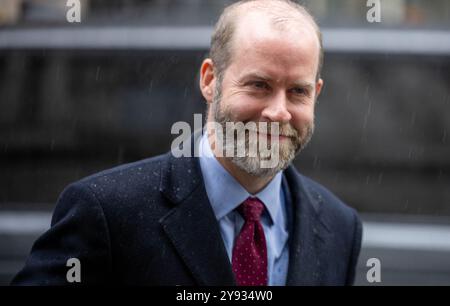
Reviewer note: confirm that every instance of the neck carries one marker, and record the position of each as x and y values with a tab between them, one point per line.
253	184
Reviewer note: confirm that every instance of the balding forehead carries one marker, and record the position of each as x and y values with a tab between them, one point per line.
252	16
278	12
259	24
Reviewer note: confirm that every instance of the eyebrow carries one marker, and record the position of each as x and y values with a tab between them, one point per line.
255	75
264	77
305	85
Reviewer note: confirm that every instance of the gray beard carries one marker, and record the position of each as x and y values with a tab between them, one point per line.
288	150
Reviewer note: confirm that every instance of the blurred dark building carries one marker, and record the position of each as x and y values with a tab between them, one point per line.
79	98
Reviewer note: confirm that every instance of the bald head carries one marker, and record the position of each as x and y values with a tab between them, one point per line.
249	17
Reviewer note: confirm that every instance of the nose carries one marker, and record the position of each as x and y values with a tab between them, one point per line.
276	110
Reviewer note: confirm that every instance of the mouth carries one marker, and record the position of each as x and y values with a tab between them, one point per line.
280	137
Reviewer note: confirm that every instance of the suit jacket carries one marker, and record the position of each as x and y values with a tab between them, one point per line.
150	223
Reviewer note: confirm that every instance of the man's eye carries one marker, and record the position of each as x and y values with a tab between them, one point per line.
299	91
260	85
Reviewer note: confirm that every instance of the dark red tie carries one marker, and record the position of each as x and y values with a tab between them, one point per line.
250	252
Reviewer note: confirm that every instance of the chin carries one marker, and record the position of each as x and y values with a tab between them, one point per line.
252	166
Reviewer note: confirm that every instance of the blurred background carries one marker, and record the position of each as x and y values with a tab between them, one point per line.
77	98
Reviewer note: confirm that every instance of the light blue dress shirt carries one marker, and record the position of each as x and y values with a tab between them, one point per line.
226	194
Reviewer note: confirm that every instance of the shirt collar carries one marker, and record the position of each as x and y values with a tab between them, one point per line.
225	193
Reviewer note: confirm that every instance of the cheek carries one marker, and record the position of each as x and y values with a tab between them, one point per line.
243	109
301	118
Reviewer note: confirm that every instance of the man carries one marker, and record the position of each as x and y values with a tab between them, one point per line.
217	219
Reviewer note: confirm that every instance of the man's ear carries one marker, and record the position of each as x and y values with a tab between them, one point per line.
207	80
319	86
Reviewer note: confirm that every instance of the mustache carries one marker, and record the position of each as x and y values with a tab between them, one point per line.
285	129
223	116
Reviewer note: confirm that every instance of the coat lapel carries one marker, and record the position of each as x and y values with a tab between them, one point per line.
191	225
308	236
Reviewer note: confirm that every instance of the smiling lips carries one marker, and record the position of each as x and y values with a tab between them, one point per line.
280	137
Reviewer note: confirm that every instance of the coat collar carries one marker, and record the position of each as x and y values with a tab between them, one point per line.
194	231
191	225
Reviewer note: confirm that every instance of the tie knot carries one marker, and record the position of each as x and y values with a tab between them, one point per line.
251	209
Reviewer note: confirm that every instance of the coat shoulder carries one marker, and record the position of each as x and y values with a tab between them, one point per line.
124	185
126	176
130	170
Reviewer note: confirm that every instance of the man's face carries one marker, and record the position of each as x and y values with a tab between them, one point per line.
271	78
